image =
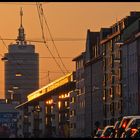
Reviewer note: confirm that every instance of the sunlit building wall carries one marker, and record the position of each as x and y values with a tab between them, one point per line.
47	111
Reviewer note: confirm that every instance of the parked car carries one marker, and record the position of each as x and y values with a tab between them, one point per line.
131	127
115	129
136	134
125	120
107	131
98	133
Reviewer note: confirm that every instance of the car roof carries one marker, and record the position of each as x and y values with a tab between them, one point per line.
106	128
125	117
99	130
109	126
135	118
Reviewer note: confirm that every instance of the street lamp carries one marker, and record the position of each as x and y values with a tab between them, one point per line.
4	59
11	94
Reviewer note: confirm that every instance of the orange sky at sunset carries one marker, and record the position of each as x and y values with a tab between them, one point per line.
66	20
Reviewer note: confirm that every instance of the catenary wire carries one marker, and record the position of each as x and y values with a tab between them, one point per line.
43	37
42	12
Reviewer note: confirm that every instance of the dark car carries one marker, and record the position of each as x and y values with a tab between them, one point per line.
98	133
123	124
115	129
136	134
107	131
132	126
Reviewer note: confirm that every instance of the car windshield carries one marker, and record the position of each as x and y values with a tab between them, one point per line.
108	131
99	132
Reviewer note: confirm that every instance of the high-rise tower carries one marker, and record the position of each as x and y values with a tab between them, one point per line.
22	68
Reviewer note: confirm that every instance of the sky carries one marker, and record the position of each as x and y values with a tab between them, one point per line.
66	21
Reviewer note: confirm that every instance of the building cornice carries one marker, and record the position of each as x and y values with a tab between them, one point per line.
93	60
109	37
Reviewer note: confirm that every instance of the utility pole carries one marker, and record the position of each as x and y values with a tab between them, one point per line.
48	76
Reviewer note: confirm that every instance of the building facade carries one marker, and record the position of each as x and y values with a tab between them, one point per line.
104	88
8	119
111	82
21	69
93	77
47	111
79	97
73	114
113	94
130	69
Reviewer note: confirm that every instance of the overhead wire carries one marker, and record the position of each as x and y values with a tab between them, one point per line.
58	57
43	37
56	39
42	11
44	57
23	3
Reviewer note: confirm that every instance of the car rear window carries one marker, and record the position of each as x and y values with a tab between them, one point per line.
108	131
136	123
125	122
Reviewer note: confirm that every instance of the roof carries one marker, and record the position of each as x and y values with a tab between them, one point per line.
22	104
79	56
48	88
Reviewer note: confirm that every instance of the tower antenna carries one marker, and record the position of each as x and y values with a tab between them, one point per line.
21	35
21	14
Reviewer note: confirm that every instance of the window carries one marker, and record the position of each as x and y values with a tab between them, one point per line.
119	105
72	113
111	107
66	115
104	94
82	90
59	117
74	125
71	125
20	126
51	108
18	74
66	103
73	99
46	120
